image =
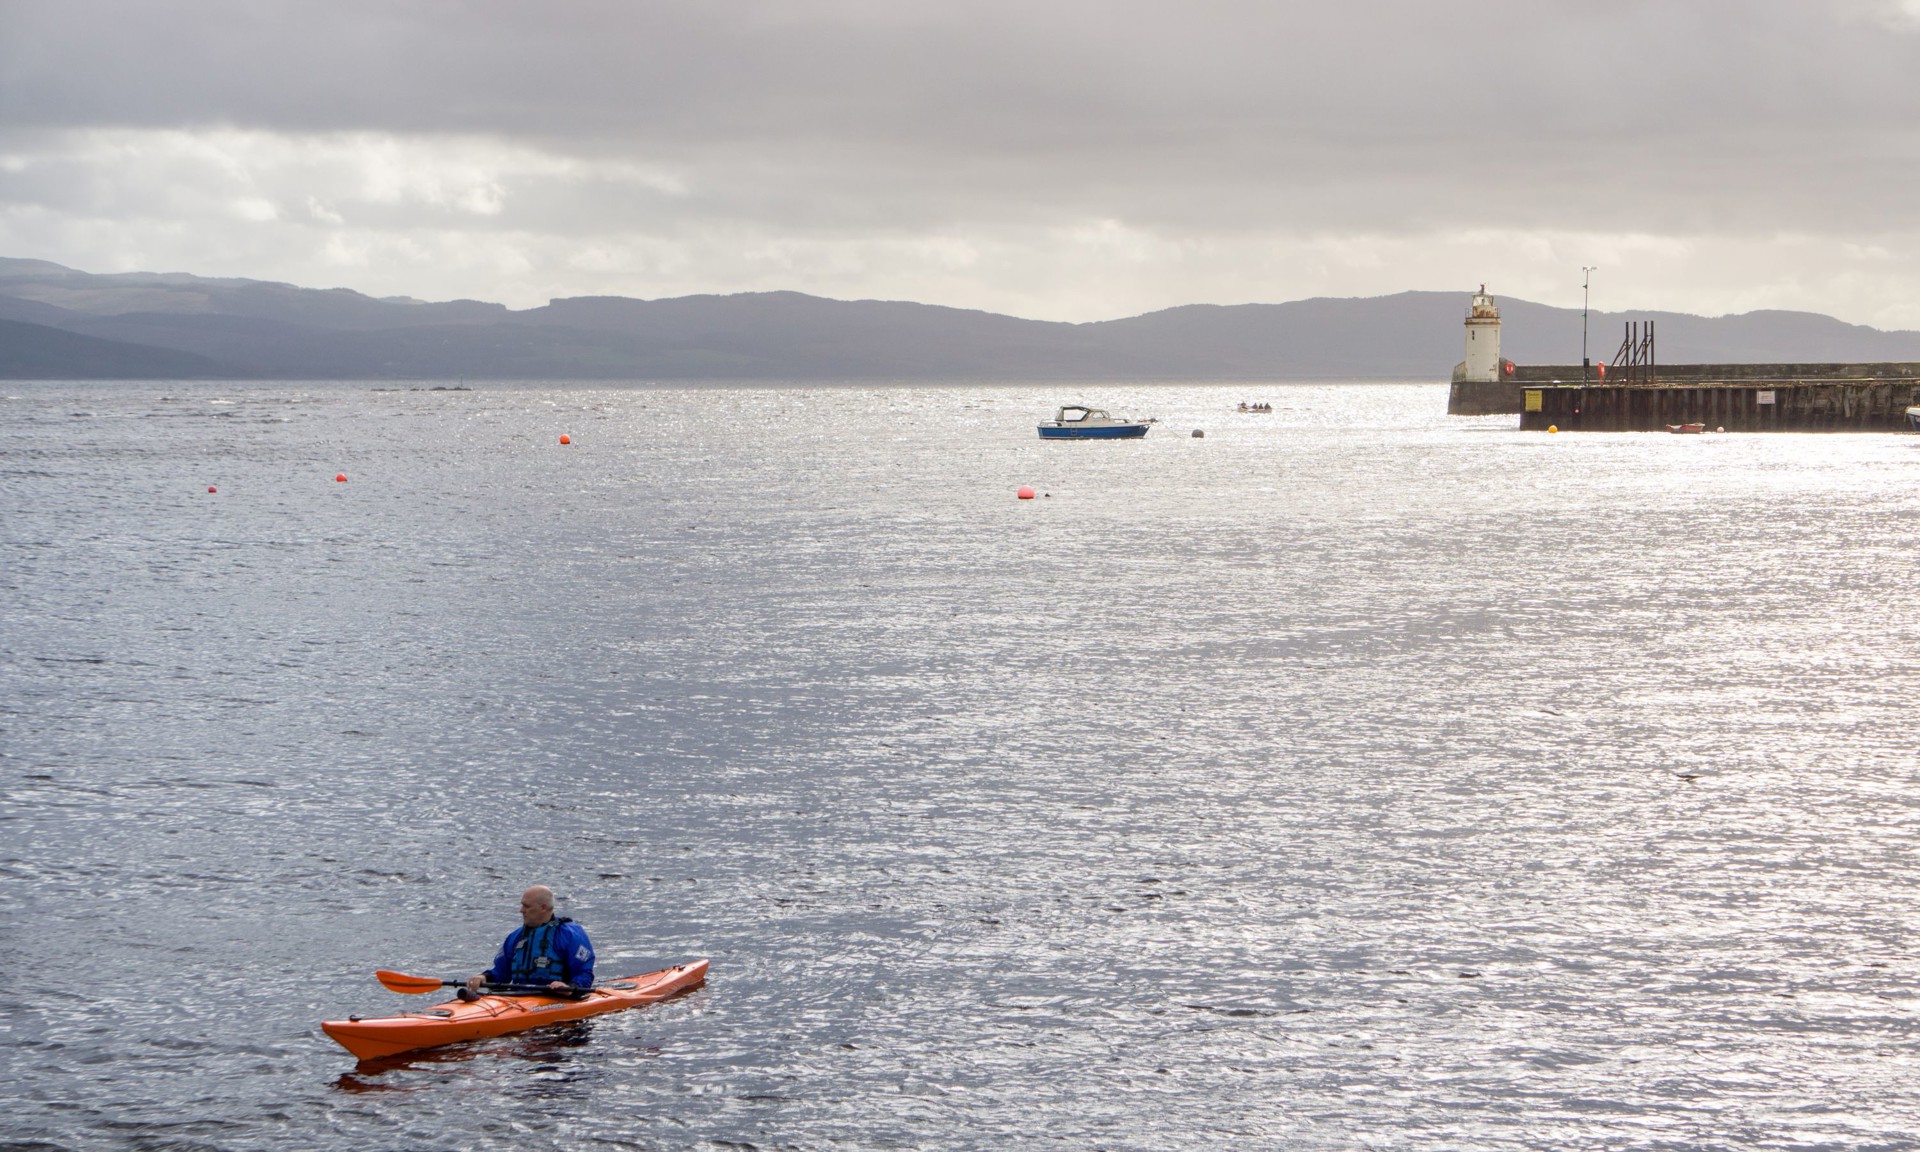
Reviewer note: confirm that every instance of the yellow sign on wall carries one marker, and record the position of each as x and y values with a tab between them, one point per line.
1533	399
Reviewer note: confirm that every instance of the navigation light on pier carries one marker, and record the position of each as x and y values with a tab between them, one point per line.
1483	361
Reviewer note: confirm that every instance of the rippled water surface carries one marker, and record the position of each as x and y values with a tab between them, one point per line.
1353	777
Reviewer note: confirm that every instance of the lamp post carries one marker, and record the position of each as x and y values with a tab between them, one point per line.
1586	283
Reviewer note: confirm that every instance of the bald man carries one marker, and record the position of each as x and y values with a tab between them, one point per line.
545	950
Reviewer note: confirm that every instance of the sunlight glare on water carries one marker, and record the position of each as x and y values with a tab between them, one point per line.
1351	777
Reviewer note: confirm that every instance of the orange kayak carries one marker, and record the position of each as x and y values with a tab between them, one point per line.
494	1015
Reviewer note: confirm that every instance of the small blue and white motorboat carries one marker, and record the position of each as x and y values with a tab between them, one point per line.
1913	419
1079	422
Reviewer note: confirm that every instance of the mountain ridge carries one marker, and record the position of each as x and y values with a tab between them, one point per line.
237	327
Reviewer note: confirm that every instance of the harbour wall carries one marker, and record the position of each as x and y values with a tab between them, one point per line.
1816	388
1498	397
1822	406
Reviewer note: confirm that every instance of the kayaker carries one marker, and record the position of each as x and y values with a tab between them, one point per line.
545	949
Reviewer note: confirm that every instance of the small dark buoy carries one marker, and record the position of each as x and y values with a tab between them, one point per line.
1199	435
340	478
1025	493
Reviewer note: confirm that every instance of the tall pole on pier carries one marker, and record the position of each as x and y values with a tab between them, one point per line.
1586	282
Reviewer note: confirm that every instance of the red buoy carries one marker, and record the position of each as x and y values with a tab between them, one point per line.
1025	493
211	488
564	439
340	478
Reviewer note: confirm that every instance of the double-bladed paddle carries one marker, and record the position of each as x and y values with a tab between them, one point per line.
414	985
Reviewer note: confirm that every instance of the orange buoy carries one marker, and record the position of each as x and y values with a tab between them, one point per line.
1025	493
564	439
1553	428
340	478
211	488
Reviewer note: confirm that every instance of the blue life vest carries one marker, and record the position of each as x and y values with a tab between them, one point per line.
550	952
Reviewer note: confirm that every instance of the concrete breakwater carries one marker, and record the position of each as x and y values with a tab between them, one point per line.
1738	397
1831	406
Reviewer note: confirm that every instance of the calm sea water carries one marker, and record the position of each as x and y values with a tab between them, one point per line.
1354	777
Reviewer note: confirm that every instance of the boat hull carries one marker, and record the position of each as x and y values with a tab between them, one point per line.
1108	432
489	1016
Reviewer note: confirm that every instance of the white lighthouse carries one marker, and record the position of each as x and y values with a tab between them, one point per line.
1483	361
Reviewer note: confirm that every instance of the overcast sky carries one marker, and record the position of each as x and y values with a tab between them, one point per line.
1059	159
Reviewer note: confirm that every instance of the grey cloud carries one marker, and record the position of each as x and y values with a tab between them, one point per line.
1072	158
1063	73
1389	114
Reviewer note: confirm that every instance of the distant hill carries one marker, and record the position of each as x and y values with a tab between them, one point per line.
39	352
69	324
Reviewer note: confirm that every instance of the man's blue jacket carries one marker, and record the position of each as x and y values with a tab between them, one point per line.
556	950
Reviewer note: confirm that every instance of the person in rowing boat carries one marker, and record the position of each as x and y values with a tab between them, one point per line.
545	950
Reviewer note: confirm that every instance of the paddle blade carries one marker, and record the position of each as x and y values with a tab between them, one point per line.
401	982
